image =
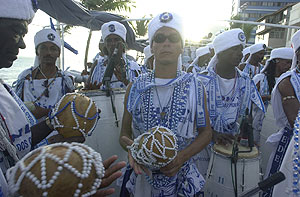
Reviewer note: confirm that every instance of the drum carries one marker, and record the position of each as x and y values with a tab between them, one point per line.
220	173
60	169
105	138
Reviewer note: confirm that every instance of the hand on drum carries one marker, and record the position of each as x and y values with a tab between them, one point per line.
172	168
138	169
59	138
222	138
112	173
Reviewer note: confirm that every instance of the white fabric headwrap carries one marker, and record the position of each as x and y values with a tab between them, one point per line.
295	45
210	45
245	52
148	54
282	53
254	49
113	27
257	47
200	52
226	40
16	9
166	19
45	35
229	39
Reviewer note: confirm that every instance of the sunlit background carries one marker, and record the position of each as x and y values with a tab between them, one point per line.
200	17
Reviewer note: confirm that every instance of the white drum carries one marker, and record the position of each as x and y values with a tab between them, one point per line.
220	173
105	138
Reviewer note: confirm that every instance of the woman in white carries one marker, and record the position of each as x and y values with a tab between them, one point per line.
280	61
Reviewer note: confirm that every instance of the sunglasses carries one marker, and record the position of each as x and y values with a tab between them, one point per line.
160	38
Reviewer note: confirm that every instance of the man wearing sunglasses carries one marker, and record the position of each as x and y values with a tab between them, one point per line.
42	85
167	97
230	90
123	69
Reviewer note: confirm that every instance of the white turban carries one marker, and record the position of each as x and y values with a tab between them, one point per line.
46	35
246	51
281	53
148	54
200	52
113	27
257	47
295	45
210	45
16	9
227	40
165	19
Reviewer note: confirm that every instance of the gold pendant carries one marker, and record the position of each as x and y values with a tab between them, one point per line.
162	114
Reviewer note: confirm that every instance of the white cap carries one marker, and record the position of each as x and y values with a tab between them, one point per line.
47	35
113	27
257	47
202	51
282	53
295	45
16	9
246	51
229	39
165	19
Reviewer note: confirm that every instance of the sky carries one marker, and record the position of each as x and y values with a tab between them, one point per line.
199	16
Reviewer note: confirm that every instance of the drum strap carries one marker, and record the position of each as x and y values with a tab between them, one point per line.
279	155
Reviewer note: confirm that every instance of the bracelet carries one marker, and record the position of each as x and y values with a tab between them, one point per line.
48	123
288	97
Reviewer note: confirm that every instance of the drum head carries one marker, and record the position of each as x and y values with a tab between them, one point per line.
227	151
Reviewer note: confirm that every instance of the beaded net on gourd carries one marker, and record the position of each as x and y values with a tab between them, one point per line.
61	169
74	115
155	148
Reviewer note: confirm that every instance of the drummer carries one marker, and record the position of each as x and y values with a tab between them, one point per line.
285	101
230	90
124	69
171	98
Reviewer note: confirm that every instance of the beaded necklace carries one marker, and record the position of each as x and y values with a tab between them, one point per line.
163	109
46	85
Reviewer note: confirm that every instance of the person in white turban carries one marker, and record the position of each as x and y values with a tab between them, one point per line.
231	91
42	85
285	101
252	65
171	98
203	55
148	60
279	62
124	69
246	54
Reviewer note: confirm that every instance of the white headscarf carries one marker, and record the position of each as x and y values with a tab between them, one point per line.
295	45
226	40
148	54
282	53
254	49
200	52
113	27
16	9
45	35
245	52
166	19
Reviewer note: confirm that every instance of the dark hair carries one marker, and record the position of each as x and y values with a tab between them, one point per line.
270	73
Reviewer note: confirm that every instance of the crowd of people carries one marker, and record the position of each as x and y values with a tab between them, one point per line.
202	106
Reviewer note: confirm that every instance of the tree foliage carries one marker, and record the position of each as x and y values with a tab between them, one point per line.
140	27
247	28
108	5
